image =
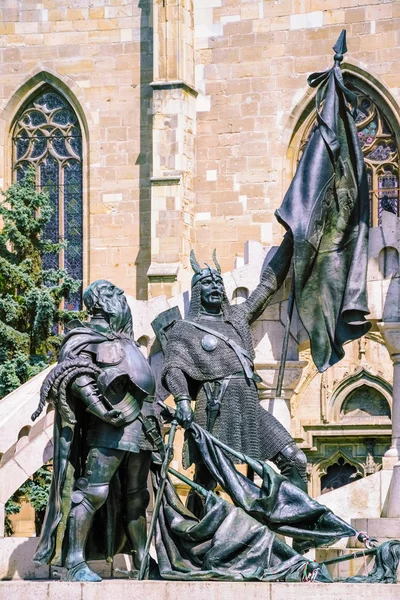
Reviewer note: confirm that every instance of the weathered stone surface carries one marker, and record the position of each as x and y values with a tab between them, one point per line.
16	560
362	499
383	529
157	590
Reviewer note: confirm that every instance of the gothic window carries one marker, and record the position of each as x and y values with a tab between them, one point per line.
337	475
381	156
365	401
47	135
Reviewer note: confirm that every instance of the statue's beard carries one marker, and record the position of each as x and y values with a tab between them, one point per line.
119	314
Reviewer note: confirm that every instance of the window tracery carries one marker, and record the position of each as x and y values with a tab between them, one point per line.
381	156
47	135
337	475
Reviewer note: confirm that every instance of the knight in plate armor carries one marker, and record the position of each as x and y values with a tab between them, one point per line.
209	358
104	433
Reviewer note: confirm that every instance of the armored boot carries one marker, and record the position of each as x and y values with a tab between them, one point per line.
87	499
292	462
136	526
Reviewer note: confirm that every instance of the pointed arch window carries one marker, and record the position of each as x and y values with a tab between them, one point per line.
381	155
47	135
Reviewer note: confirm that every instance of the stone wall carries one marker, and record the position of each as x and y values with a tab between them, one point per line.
99	54
252	63
166	171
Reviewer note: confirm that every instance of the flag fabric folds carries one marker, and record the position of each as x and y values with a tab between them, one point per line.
327	210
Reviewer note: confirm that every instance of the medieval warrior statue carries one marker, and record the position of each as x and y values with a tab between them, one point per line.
209	358
101	390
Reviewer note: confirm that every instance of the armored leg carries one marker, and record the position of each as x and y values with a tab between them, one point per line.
90	494
137	500
292	462
203	477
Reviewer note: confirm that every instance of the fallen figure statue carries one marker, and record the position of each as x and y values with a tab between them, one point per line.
238	541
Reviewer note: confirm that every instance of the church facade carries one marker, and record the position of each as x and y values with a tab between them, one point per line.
158	126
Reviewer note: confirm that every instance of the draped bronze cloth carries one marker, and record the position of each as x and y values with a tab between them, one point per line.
327	209
239	542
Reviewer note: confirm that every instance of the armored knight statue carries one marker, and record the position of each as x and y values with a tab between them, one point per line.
101	390
209	359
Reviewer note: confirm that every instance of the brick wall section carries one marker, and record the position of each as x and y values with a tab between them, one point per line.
252	62
101	50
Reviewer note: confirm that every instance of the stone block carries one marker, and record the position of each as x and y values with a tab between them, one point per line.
12	477
354	15
41	446
280	23
212	590
16	560
333	17
362	499
379	10
382	528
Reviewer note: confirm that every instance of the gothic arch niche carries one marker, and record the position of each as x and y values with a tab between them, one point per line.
361	396
334	471
47	135
338	474
364	402
379	134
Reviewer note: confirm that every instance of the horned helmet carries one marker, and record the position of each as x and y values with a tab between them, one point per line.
208	271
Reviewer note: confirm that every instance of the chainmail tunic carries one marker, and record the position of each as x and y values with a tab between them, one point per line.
242	423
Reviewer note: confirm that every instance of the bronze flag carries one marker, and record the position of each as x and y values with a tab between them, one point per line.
327	209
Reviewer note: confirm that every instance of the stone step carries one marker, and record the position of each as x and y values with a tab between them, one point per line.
16	562
211	590
384	529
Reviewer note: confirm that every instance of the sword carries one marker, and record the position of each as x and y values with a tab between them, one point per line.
169	453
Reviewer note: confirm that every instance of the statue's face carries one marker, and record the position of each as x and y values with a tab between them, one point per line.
113	302
211	293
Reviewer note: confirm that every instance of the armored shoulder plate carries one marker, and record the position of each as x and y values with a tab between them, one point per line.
110	353
122	360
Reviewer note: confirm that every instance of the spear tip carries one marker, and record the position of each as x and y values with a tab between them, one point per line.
340	47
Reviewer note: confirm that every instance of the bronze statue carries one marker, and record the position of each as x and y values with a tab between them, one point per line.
209	358
101	389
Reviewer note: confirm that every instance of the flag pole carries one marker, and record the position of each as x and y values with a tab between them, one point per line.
289	314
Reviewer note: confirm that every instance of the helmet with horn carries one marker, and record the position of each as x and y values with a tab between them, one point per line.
200	273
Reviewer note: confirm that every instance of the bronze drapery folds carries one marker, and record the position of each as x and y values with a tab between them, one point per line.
327	210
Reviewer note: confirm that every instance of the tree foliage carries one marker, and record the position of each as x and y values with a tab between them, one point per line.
35	490
30	296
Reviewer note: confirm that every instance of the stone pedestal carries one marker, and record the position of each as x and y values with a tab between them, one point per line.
212	590
391	334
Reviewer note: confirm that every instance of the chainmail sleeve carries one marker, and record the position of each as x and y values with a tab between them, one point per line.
176	382
272	277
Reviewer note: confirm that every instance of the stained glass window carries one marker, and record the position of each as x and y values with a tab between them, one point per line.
48	136
381	156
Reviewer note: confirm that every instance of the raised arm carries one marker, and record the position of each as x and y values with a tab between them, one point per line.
272	277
